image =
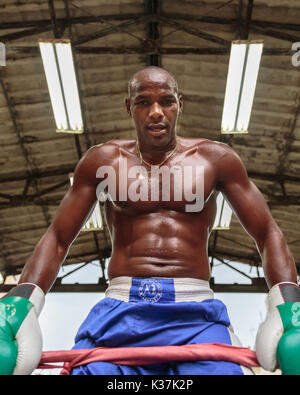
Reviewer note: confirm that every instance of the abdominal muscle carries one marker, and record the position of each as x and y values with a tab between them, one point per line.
156	245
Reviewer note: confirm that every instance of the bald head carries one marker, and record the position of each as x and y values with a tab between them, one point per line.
152	74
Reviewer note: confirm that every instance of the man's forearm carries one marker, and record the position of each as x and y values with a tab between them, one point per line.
43	266
278	262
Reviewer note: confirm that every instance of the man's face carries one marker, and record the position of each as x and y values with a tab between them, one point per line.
154	106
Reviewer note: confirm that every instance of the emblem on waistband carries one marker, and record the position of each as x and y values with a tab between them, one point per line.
150	290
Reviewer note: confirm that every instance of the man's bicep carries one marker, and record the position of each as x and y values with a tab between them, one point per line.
76	206
245	199
72	213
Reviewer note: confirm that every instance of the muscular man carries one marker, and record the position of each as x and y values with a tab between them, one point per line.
159	270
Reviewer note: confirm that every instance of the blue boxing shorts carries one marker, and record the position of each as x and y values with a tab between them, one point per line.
143	312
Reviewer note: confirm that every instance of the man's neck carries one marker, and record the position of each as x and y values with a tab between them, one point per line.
156	154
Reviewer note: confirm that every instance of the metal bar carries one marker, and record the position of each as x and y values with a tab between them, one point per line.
78	147
21	201
23	148
14	121
26	187
233	268
284	201
177	51
6	261
214	248
24	33
195	32
277	25
248	19
283	158
83	20
53	18
199	18
153	33
274	177
242	257
34	51
90	256
5	196
275	34
70	260
69	22
101	258
72	271
36	173
50	189
17	240
230	21
98	247
238	243
150	48
110	30
239	26
239	288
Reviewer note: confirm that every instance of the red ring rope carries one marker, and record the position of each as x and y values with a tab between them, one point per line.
135	356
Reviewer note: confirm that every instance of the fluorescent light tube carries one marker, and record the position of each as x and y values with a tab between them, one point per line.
62	84
223	215
95	221
242	76
2	55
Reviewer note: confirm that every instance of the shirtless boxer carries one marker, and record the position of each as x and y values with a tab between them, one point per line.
159	269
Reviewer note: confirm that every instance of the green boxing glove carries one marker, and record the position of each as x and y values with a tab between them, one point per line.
20	334
278	338
288	351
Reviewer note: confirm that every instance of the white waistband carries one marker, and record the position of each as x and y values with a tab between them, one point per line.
186	289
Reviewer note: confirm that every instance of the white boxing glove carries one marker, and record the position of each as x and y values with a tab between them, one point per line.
278	336
20	334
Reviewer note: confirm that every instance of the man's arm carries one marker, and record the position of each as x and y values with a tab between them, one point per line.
20	334
43	266
254	214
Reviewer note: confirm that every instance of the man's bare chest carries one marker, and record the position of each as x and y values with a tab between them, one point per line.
181	185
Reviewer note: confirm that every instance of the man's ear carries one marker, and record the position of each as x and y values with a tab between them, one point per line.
128	107
180	99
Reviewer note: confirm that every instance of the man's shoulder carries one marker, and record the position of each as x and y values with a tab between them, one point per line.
217	148
105	154
113	146
107	151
